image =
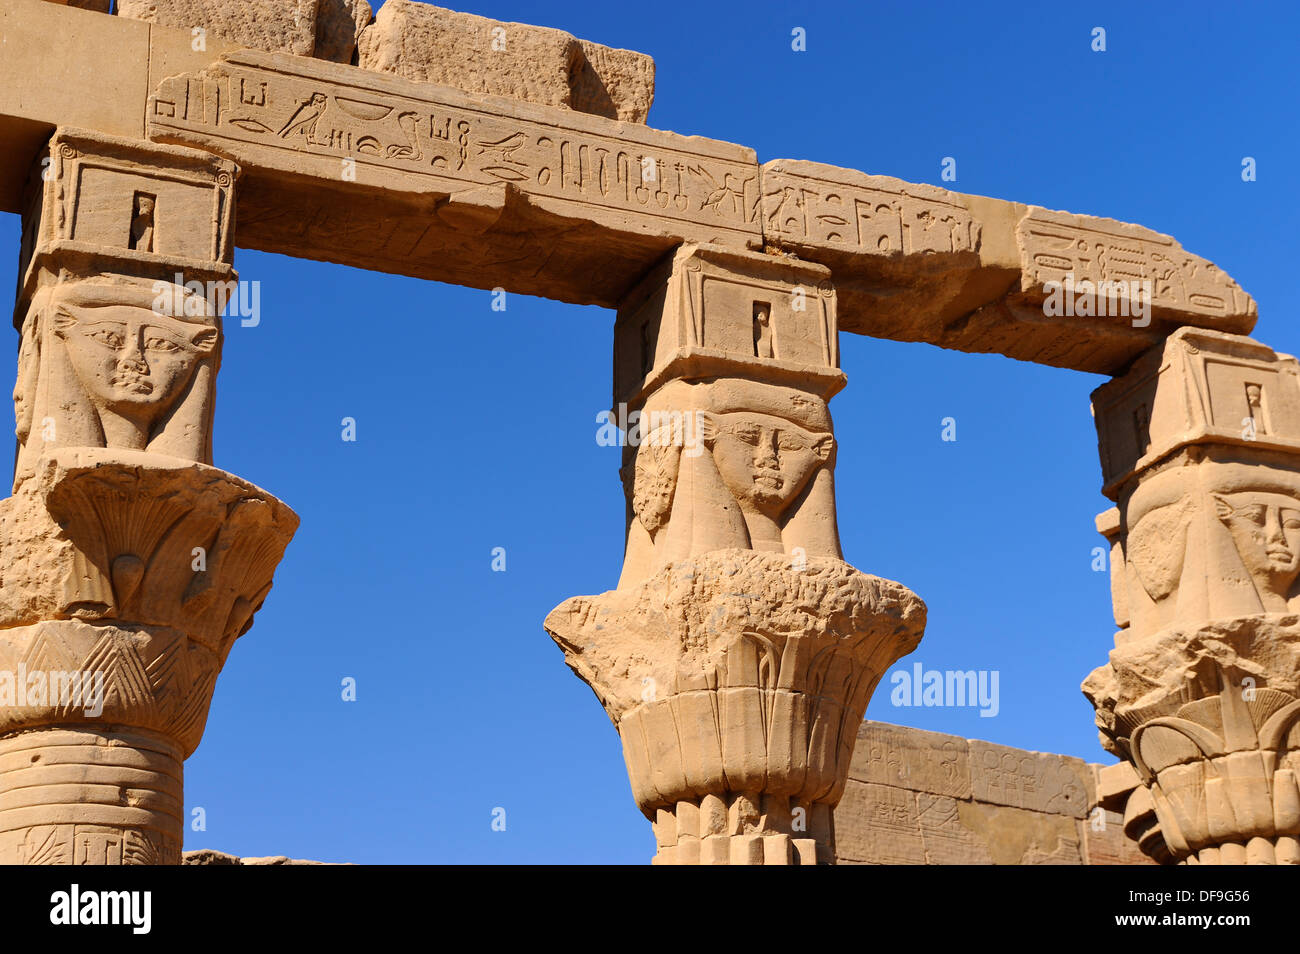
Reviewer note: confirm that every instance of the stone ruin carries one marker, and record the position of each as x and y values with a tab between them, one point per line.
738	653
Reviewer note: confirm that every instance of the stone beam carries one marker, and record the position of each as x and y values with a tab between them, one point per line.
376	171
369	168
919	263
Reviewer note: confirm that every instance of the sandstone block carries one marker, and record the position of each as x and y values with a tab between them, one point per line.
1104	841
539	65
958	832
1035	781
99	6
878	824
913	759
487	192
287	26
920	263
1200	386
338	24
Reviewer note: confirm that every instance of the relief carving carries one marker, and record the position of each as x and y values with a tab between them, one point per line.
455	139
731	463
875	214
1054	245
103	365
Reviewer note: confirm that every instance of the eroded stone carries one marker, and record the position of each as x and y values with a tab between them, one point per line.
536	64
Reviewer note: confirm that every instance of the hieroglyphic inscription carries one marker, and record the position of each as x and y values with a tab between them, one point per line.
299	109
1065	248
876	214
1030	780
911	758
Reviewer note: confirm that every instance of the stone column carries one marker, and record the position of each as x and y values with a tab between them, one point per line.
1200	449
738	653
128	564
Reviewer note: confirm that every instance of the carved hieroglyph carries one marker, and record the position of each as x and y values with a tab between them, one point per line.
920	263
486	191
128	564
739	651
1200	446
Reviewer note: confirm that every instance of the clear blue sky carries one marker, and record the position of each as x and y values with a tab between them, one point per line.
476	429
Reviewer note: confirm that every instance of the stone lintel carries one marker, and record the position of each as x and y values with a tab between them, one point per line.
489	191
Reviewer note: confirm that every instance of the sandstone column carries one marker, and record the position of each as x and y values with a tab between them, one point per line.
738	653
128	564
1200	449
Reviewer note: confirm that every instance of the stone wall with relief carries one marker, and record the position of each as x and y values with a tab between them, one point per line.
925	798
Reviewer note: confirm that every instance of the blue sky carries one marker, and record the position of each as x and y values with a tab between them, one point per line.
476	429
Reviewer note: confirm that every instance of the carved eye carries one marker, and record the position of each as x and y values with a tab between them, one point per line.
1255	514
1291	519
108	338
161	345
792	442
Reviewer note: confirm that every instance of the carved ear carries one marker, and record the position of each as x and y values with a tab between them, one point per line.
205	340
824	447
707	428
1222	508
64	322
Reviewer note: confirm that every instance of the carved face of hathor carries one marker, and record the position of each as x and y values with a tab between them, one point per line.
1265	528
131	360
765	461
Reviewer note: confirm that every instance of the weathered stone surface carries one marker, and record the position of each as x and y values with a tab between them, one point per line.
893	781
338	24
325	29
536	64
913	759
207	856
743	623
730	675
1035	781
887	829
1200	448
128	565
1105	843
1154	677
110	534
498	193
959	832
90	796
617	84
99	6
1199	387
140	212
725	353
911	262
919	263
287	26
